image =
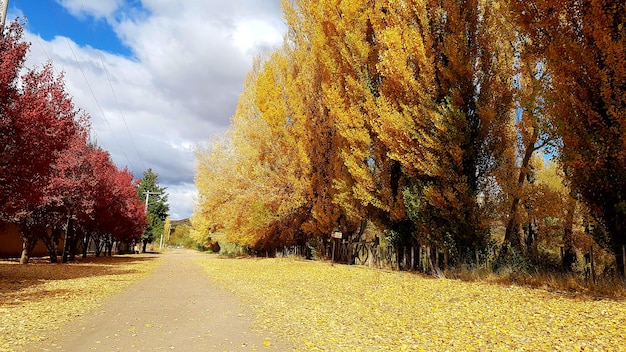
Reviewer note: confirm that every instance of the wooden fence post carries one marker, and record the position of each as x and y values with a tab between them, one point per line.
404	258
396	257
429	262
476	252
593	269
420	258
624	260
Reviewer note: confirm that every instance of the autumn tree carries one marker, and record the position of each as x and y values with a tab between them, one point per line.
52	182
13	51
337	40
331	206
157	206
38	123
38	119
253	182
69	192
118	214
584	43
533	131
126	220
365	97
420	97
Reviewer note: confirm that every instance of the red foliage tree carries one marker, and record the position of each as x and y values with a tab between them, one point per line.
37	120
118	214
51	180
12	56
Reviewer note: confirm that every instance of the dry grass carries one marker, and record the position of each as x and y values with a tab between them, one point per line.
38	297
572	283
347	308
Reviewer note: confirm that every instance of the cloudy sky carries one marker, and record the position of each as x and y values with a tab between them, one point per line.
158	77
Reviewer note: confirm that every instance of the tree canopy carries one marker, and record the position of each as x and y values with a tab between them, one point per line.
425	118
56	185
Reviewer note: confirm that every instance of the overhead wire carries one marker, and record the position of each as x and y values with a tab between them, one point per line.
119	107
80	67
43	48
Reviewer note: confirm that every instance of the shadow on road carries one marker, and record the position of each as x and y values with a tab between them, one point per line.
15	278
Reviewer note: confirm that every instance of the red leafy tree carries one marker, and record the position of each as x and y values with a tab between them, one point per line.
118	211
51	180
12	56
38	120
70	191
41	123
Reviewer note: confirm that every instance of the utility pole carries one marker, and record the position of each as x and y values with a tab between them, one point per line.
167	228
4	5
147	193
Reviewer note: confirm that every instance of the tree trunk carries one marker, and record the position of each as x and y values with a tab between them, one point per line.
68	238
613	220
28	244
531	234
97	242
108	245
569	255
73	247
52	244
85	244
110	248
47	242
512	236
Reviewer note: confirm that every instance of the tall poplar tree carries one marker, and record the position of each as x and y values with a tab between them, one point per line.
584	44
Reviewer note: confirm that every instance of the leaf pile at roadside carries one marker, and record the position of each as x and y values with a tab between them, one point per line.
347	308
36	298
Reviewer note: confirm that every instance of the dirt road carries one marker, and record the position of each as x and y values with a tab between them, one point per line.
177	308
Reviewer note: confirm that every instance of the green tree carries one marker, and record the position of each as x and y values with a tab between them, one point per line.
157	206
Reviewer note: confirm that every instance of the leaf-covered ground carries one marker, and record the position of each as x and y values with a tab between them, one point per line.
347	308
36	298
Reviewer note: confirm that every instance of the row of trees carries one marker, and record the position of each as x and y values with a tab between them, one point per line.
54	184
434	120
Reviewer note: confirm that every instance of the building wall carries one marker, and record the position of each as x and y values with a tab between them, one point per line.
11	243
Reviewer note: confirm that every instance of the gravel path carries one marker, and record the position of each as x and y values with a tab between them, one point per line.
177	308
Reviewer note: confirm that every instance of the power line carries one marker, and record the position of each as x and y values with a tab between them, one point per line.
80	67
43	48
119	107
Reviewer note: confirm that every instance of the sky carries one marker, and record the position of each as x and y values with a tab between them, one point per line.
158	77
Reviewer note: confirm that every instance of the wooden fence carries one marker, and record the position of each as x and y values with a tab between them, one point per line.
411	258
423	259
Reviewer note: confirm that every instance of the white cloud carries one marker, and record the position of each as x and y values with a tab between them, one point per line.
189	62
97	9
181	198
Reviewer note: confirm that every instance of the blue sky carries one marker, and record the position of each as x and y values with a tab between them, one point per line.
158	77
48	18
